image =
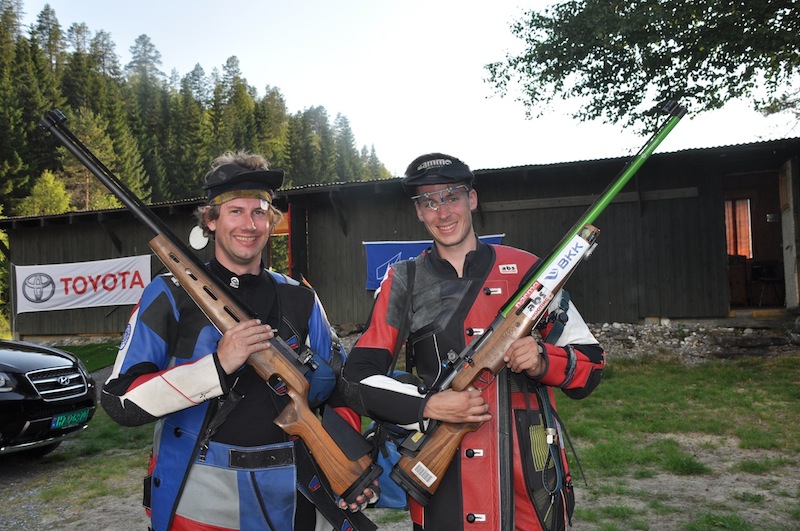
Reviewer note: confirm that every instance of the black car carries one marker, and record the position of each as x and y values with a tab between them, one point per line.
45	395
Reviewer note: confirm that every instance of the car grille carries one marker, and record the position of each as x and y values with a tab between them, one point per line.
58	384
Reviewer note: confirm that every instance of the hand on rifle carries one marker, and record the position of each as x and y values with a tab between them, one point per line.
457	406
525	354
242	340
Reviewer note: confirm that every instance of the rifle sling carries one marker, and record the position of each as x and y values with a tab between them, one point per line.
506	451
405	324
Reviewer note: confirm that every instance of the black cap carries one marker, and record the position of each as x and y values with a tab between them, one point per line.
232	177
435	168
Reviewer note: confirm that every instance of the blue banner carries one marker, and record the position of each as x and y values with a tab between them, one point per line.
381	255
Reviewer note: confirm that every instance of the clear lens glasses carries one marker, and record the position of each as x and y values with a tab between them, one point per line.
449	197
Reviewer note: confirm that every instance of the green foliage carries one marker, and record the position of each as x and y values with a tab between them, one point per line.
619	60
748	497
5	311
386	516
5	325
48	196
279	254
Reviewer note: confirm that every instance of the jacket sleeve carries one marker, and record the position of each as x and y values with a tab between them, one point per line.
146	383
575	362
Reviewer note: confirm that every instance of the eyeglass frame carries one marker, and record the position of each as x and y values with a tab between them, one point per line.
441	193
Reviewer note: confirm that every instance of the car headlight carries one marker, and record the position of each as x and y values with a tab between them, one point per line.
6	383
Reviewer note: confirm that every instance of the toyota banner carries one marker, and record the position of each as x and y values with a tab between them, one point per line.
42	288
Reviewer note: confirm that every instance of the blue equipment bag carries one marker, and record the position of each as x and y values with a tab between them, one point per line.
385	438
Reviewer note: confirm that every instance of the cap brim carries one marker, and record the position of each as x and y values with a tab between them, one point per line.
267	179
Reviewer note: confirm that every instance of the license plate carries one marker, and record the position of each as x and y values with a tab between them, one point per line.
68	420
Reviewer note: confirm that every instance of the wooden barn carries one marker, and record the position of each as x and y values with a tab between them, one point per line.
695	234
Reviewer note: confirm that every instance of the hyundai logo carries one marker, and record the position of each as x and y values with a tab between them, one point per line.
63	381
38	287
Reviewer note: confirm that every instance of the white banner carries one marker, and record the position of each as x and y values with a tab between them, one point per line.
42	288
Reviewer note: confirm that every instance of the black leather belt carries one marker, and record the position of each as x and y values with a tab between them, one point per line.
264	458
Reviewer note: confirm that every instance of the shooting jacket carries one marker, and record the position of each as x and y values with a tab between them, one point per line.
447	313
167	371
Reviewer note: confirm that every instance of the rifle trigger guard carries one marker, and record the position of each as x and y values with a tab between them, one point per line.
484	383
277	385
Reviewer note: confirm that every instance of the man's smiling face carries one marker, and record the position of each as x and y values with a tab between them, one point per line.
241	232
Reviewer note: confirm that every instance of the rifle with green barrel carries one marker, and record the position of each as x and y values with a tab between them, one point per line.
348	478
426	456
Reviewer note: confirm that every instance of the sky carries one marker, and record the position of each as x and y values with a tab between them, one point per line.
408	75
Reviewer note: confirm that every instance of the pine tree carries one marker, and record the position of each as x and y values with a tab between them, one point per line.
188	157
348	163
221	136
312	153
272	127
145	79
373	167
48	57
86	192
13	175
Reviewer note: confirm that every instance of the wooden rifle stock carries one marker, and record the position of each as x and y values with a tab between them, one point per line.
347	478
420	471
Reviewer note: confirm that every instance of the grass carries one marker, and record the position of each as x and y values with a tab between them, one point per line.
629	429
97	356
750	399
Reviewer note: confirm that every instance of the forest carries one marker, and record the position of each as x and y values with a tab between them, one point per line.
157	132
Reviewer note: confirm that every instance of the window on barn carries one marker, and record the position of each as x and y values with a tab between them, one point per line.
737	227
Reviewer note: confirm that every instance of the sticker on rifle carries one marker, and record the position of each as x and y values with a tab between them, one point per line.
538	303
425	476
